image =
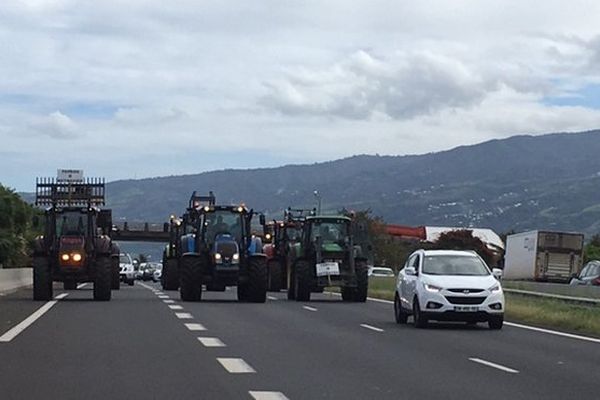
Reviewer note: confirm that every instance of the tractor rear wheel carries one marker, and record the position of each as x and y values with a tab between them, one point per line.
103	279
275	275
190	285
170	275
303	281
348	293
257	280
115	278
42	279
291	291
362	281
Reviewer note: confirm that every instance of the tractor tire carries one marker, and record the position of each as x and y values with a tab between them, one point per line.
69	285
115	283
257	280
42	279
348	293
190	278
362	281
275	276
303	281
170	275
291	291
103	279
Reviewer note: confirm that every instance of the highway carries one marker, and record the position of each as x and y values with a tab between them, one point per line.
146	344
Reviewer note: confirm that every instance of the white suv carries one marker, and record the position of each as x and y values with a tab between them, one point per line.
127	270
448	285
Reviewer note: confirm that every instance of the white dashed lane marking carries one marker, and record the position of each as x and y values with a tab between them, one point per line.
176	307
81	285
183	315
163	296
195	327
272	298
236	366
259	395
309	308
373	328
16	330
168	301
211	342
494	365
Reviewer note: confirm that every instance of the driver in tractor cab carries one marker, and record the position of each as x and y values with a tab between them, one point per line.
327	235
219	227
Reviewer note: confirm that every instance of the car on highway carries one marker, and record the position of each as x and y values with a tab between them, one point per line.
382	272
147	271
126	269
589	275
448	285
157	274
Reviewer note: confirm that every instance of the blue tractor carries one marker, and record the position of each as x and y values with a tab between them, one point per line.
221	251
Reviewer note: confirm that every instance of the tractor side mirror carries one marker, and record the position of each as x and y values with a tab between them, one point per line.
262	219
105	220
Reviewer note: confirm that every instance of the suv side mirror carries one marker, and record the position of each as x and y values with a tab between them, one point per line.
411	271
497	272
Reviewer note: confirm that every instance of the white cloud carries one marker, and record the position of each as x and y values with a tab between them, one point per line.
186	86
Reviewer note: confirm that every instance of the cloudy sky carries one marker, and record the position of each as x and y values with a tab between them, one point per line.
142	88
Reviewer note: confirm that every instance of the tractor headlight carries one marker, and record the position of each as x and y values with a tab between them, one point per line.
236	258
64	257
218	258
77	257
268	236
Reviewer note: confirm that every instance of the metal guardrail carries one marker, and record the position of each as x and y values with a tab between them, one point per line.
571	299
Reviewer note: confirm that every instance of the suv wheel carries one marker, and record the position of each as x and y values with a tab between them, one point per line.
496	322
420	320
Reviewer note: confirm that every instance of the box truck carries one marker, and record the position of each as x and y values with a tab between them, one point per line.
543	256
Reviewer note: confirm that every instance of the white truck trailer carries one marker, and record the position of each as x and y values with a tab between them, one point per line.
543	256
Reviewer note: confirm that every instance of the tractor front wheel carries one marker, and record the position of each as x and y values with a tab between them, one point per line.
190	278
303	281
103	279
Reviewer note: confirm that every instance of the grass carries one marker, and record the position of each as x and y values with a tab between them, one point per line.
548	313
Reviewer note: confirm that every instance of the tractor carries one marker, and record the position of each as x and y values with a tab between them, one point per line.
326	256
75	246
179	227
284	234
221	251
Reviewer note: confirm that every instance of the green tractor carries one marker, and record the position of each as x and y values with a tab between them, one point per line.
75	247
327	256
221	251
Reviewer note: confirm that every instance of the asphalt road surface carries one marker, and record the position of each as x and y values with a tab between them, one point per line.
147	344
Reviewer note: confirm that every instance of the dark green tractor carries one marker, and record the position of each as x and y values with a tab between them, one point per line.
328	257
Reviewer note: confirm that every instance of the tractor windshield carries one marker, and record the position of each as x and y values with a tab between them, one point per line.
223	222
330	231
71	223
293	234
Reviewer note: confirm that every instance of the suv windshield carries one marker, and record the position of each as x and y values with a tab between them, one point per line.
454	265
223	222
330	231
71	223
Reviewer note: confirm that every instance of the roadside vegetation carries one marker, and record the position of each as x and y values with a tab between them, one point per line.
15	229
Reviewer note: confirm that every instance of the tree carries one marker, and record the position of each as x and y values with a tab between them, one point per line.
592	250
15	228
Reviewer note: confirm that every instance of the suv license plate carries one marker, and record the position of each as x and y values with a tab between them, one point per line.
328	268
466	308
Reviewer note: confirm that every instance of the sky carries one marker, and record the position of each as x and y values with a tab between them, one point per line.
155	88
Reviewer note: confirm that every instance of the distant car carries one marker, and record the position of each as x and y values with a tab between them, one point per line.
147	271
589	275
384	272
448	285
126	269
157	272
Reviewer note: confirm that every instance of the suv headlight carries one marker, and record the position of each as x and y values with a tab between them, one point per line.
495	289
431	288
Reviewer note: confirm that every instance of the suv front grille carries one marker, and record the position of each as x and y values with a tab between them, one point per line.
465	291
465	300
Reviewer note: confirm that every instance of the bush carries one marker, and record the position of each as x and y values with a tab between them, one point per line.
15	227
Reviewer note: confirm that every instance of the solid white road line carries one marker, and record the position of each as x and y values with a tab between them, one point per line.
494	365
16	330
236	365
271	298
256	395
373	328
176	307
551	332
183	315
168	301
81	285
211	342
309	308
195	327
